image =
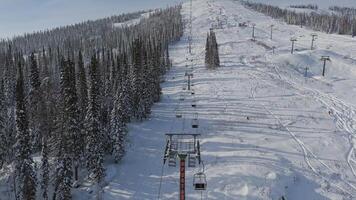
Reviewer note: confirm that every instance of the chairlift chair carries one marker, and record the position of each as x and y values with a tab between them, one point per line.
194	104
172	161
178	113
199	181
195	123
181	97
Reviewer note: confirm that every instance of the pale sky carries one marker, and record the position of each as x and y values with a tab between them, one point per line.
20	16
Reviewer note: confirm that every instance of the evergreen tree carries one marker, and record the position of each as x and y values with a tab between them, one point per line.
45	168
3	136
215	49
136	79
212	59
83	105
25	173
94	143
34	73
118	126
69	130
208	52
36	105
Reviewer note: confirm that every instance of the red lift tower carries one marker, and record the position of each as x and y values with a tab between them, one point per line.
185	147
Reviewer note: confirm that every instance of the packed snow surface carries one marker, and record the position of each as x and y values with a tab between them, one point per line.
271	125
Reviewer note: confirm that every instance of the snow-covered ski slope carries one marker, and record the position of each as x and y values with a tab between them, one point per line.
267	130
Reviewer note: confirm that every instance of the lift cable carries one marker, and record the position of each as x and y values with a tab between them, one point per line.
160	182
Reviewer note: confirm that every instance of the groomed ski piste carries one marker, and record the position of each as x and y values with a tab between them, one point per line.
268	129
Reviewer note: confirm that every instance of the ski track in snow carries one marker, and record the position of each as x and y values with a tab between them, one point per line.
307	151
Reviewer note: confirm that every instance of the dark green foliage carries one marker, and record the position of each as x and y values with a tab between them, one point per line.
78	112
212	59
24	171
95	138
3	136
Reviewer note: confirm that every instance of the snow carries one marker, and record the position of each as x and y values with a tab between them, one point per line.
267	130
133	21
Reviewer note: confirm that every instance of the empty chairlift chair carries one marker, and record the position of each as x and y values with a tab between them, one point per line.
178	113
181	97
195	122
172	161
199	181
194	103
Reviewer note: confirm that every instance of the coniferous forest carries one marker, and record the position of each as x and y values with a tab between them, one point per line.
341	21
67	95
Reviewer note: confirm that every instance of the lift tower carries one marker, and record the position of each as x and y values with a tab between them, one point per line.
293	40
190	37
182	146
324	59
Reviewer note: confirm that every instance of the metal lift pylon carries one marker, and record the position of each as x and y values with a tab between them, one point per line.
182	146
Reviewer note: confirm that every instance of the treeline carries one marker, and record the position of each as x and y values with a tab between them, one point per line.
212	60
340	24
344	10
308	6
68	94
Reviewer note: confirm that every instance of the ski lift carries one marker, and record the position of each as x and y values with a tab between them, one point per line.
194	104
199	181
195	122
178	114
181	97
172	161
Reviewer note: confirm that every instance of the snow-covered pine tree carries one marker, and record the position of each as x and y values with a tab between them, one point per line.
68	134
155	77
3	136
82	88
118	126
34	73
36	106
212	59
215	49
136	79
24	170
146	99
72	118
94	140
125	90
45	168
